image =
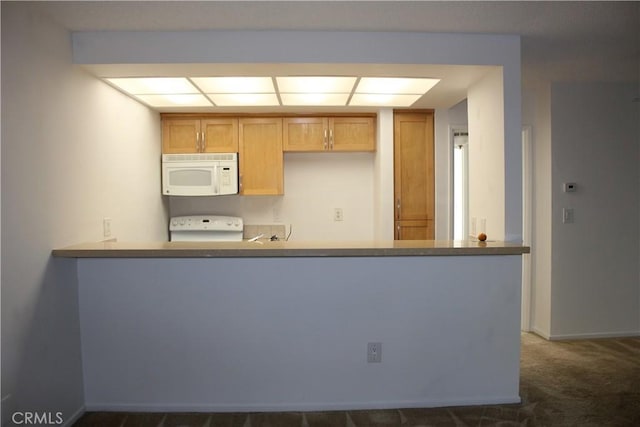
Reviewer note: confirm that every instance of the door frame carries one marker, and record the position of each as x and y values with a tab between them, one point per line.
527	225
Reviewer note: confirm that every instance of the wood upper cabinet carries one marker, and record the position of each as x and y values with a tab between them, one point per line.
199	135
414	177
261	157
329	134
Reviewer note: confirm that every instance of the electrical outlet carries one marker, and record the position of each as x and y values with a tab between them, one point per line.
374	352
106	227
337	214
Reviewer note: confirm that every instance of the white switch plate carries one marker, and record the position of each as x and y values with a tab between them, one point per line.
338	214
567	215
106	227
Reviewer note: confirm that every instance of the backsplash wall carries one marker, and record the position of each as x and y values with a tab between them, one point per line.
314	185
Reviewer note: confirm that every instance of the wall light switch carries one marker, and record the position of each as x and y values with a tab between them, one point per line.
567	215
569	187
106	227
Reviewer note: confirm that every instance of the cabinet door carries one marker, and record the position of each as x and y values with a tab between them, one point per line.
305	134
414	175
261	158
220	135
352	134
180	135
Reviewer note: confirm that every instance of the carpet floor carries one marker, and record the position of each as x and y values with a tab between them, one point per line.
585	383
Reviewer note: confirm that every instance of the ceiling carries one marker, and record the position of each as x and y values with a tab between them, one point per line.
560	40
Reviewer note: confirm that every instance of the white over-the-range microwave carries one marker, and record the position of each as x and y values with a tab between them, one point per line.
199	174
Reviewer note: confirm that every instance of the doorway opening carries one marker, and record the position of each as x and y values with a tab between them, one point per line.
460	183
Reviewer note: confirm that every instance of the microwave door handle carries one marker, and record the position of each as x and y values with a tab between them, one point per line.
216	179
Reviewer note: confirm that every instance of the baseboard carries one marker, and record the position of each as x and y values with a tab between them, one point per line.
74	417
585	336
298	407
6	405
597	335
539	332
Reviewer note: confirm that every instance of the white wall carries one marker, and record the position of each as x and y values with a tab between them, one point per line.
73	151
259	334
383	188
595	275
487	155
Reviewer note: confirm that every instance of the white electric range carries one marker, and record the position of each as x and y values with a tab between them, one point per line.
206	228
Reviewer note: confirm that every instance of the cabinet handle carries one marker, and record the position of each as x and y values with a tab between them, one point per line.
398	208
325	139
398	232
240	183
203	141
197	142
331	139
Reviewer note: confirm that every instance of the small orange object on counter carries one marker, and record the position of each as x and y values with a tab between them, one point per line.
482	237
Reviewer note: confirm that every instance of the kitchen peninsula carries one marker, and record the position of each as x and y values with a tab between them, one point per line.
286	325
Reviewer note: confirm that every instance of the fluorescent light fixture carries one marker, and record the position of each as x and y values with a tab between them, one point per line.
309	84
383	99
244	99
395	85
323	99
234	84
175	100
154	85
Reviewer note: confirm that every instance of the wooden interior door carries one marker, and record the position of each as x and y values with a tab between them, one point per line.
414	178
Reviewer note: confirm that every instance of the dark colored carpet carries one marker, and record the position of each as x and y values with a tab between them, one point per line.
586	383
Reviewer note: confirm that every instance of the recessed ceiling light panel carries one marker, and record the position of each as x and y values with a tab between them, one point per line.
323	99
244	99
310	84
154	85
395	85
234	84
383	100
175	100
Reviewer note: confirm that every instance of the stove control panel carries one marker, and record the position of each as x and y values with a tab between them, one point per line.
205	222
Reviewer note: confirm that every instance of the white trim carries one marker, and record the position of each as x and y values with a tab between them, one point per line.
527	227
595	335
296	407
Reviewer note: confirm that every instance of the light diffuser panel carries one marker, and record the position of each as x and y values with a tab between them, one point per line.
234	84
383	100
319	84
323	99
172	100
244	99
154	85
